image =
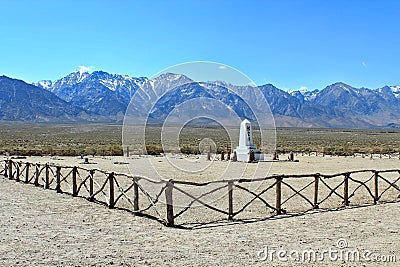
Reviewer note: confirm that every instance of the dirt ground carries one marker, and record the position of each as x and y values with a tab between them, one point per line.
42	228
196	168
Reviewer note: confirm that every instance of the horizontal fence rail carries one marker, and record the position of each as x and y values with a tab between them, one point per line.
373	155
170	200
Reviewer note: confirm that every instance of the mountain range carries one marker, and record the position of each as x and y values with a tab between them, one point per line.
103	97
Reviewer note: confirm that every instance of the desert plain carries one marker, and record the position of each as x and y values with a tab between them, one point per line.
41	227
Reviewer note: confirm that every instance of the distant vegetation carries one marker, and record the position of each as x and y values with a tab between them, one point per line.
338	141
60	140
105	140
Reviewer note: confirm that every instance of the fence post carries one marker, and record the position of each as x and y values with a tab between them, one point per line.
18	171
135	195
376	178
27	173
46	178
111	184
316	191
278	192
36	183
10	169
346	189
230	200
74	185
58	179
91	176
169	202
5	168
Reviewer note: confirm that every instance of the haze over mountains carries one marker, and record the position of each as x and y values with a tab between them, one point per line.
104	97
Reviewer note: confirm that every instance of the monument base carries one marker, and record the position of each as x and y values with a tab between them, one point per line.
243	154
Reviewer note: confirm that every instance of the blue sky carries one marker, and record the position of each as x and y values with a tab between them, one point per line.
291	44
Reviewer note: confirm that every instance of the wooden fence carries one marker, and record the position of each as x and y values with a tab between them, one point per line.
231	199
349	154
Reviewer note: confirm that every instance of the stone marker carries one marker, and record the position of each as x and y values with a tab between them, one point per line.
234	156
245	147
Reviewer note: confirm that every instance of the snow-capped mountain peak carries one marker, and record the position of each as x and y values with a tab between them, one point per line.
45	84
304	94
80	75
396	90
337	105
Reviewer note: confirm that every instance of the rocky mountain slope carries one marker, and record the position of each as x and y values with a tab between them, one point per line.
20	101
337	105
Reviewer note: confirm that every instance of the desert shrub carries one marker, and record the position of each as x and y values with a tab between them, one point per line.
154	149
116	150
189	149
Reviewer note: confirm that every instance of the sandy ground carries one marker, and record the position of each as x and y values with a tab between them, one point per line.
41	227
195	168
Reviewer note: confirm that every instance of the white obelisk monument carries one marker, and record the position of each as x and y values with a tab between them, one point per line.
246	144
